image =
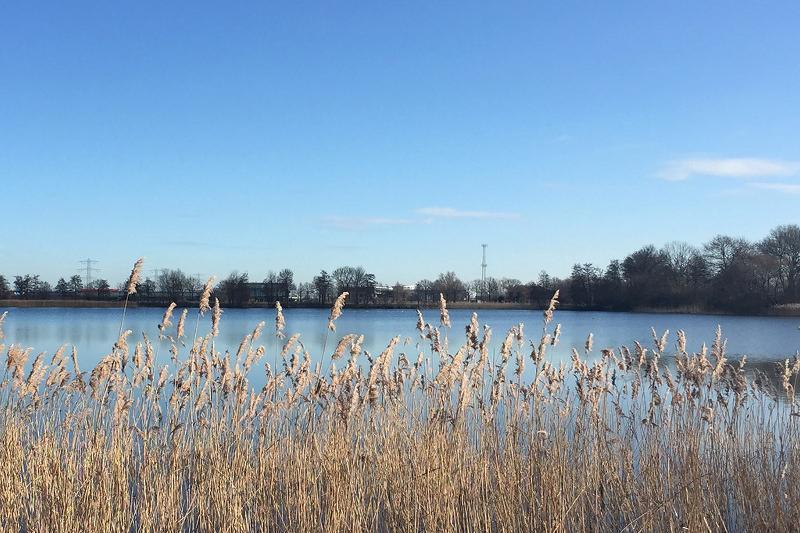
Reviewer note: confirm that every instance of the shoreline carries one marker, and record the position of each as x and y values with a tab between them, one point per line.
477	306
105	304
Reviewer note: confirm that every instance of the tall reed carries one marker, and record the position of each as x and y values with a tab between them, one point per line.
418	437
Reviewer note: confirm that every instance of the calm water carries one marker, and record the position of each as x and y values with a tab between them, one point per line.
763	339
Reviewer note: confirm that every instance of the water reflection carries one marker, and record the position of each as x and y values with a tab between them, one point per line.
765	340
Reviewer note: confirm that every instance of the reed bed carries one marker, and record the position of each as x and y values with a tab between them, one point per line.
446	432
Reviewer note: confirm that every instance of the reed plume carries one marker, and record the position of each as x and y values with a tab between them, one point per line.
444	315
205	296
342	346
182	323
215	317
133	280
280	323
336	310
551	307
166	321
614	442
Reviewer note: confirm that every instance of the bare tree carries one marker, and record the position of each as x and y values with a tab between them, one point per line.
424	291
357	281
722	251
451	287
399	293
174	285
306	292
783	243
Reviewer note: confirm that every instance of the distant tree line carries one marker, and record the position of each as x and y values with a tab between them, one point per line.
725	274
28	287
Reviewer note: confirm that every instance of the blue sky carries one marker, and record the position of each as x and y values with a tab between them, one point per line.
397	136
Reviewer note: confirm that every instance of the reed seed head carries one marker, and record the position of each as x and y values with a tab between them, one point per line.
336	310
205	296
133	280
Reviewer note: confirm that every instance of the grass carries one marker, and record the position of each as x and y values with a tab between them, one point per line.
450	432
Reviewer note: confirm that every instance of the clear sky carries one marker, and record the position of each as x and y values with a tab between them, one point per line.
397	136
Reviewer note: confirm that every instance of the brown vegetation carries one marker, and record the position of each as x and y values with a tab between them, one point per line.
418	437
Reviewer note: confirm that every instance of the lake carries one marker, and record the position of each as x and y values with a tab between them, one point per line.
765	340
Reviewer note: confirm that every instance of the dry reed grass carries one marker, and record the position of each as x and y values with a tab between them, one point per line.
417	438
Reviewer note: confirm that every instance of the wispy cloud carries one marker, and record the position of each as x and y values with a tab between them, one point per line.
424	215
210	245
344	247
450	212
790	188
188	243
340	222
742	168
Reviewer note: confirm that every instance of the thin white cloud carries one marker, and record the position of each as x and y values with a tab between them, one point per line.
789	188
340	222
425	215
450	212
743	168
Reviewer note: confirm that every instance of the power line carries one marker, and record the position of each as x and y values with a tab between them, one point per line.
483	272
89	269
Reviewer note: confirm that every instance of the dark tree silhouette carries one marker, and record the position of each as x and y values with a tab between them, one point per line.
324	286
5	290
235	289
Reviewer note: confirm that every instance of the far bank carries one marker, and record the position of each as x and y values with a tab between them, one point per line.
786	310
